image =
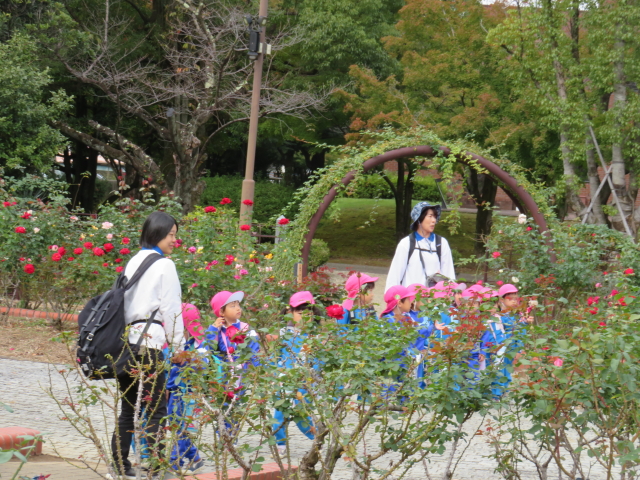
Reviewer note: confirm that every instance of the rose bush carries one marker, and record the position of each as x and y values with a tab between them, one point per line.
56	260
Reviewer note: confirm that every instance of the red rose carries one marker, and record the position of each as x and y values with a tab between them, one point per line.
26	215
21	230
234	335
229	259
108	247
496	254
592	300
283	221
62	250
119	269
545	348
248	202
6	204
126	241
499	283
88	245
529	229
245	227
209	209
225	201
22	259
593	311
335	311
105	264
254	260
125	251
77	251
118	260
29	268
13	204
628	271
71	259
614	292
98	252
56	257
602	324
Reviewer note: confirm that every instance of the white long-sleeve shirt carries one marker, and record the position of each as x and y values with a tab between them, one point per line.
158	288
414	271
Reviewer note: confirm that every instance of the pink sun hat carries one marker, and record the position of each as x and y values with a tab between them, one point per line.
475	291
353	285
221	299
394	295
190	317
300	298
506	289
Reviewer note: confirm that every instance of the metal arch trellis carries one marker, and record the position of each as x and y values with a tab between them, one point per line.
521	198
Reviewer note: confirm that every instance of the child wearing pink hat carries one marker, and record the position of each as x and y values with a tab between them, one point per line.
302	308
504	333
184	455
359	287
227	332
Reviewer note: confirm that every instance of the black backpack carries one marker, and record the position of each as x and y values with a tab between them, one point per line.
412	247
102	350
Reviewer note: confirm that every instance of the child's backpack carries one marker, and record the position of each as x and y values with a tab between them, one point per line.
102	349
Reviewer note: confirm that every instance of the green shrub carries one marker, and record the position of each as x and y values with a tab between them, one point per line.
319	254
374	186
270	198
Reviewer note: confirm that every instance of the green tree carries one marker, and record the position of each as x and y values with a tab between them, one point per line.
27	107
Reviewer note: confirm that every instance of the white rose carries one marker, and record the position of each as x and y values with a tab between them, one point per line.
522	219
514	279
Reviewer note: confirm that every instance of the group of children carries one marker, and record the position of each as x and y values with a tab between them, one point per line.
414	305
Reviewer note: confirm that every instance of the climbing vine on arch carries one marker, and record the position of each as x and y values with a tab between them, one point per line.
350	158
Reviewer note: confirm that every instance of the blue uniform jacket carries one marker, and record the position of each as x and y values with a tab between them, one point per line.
218	342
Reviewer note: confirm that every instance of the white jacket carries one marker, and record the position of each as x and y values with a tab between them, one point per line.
414	271
158	288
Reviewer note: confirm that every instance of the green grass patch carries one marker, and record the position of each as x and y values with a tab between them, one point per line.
353	241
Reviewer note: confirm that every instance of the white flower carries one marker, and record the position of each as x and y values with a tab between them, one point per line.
501	270
36	230
107	225
30	212
522	219
109	236
238	266
514	279
54	248
73	218
268	269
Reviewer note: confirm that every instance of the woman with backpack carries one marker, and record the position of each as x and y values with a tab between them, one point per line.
422	253
153	314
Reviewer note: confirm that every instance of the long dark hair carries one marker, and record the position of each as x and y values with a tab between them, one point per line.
156	227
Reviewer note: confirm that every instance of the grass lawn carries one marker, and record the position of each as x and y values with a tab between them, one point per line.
351	241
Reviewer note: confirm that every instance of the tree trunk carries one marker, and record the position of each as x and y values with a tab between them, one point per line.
618	170
483	190
596	215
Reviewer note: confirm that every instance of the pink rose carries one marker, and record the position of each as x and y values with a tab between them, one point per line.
496	254
192	249
558	362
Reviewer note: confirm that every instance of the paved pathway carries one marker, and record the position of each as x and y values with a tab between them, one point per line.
23	388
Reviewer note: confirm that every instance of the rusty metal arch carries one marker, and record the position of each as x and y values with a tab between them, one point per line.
520	197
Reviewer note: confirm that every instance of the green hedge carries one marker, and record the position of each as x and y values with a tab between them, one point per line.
270	198
374	186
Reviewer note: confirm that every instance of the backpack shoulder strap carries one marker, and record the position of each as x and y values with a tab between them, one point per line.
144	266
412	247
439	248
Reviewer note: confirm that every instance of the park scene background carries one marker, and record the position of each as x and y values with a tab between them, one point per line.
110	110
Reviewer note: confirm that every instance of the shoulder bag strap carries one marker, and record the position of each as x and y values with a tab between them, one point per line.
144	266
439	249
412	247
146	327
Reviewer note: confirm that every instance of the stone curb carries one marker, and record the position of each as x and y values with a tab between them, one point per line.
10	439
23	312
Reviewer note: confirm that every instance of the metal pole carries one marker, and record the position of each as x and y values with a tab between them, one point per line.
608	178
248	184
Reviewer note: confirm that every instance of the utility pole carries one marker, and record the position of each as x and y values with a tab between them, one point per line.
257	51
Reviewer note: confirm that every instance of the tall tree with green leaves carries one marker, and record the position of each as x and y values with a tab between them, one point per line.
27	107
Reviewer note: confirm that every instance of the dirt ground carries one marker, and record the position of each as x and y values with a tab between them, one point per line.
35	340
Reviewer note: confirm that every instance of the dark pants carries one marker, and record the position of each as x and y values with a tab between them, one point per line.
153	401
